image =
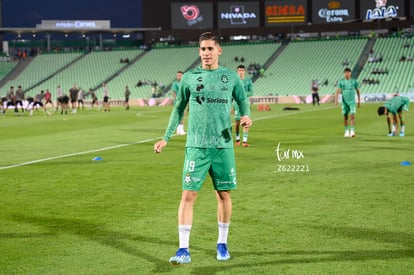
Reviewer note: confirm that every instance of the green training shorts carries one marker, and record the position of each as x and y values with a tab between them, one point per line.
348	109
219	163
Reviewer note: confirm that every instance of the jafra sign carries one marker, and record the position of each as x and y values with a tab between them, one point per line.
334	13
382	11
191	14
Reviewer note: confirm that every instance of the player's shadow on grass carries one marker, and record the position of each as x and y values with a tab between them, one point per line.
116	240
94	232
401	238
326	256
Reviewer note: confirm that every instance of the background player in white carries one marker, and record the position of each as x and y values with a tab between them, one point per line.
11	97
105	98
209	91
19	99
80	98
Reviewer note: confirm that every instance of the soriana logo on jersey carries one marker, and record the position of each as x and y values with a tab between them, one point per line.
285	12
191	15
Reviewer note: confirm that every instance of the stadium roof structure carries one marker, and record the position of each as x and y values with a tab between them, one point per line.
20	30
74	26
51	28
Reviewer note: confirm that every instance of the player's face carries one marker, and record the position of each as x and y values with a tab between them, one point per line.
347	75
209	53
179	75
241	72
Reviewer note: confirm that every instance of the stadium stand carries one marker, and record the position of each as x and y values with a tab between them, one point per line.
289	73
161	64
303	61
391	73
157	65
88	72
41	67
6	68
247	54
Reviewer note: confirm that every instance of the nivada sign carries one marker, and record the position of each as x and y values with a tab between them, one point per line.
191	15
382	9
333	11
238	14
285	12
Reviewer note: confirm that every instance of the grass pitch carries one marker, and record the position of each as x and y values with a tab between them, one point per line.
320	204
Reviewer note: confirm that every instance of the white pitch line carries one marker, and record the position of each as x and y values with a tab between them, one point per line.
139	142
77	154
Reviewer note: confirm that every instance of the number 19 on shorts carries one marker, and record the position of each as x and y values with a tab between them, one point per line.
190	165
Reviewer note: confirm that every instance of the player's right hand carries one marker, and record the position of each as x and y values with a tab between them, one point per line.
246	122
159	146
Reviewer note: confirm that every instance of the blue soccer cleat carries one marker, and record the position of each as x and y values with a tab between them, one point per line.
402	134
392	134
222	252
182	256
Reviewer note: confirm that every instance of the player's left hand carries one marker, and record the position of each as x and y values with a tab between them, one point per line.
246	122
159	146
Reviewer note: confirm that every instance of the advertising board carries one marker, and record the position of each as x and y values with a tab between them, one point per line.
238	14
192	15
285	12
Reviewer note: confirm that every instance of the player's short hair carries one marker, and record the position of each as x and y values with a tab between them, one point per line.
241	67
381	110
347	70
209	36
180	72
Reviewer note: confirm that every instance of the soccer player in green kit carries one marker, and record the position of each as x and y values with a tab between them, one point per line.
248	88
209	91
348	86
395	107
